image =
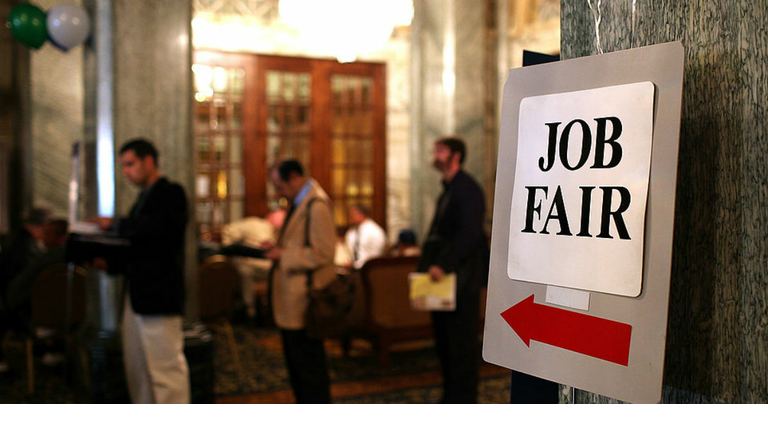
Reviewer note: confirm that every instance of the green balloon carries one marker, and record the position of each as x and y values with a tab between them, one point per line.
28	25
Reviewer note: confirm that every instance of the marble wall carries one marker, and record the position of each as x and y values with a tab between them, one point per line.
153	86
15	102
718	315
151	96
449	94
56	119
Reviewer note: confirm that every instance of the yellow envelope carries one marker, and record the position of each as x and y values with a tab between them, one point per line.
428	295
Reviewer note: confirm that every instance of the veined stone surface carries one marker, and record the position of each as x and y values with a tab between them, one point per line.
718	316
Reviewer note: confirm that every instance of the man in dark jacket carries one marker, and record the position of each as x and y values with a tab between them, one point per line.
456	243
153	338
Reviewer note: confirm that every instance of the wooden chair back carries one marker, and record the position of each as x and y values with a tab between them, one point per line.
387	290
49	299
218	281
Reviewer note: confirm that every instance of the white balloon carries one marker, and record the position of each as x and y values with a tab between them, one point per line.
68	25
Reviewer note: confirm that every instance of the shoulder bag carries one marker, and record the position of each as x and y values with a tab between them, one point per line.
330	306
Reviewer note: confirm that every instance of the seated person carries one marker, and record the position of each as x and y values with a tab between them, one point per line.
17	312
365	239
23	247
253	232
406	244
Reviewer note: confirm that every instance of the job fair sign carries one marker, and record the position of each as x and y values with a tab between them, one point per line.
583	221
580	190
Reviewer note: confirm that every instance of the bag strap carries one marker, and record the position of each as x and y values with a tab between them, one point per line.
306	238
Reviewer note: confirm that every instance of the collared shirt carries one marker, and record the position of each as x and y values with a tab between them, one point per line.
366	241
302	193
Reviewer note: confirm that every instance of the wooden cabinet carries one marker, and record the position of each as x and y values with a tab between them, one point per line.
253	110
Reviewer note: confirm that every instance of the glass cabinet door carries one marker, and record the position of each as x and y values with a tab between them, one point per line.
218	138
252	111
288	125
351	144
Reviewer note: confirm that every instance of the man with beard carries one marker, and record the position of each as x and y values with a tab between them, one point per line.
456	243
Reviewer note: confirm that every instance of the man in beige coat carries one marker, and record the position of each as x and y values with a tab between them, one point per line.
294	257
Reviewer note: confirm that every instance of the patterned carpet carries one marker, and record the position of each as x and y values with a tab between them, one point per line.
412	377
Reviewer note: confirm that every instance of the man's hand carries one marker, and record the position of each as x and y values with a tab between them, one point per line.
274	254
104	223
436	273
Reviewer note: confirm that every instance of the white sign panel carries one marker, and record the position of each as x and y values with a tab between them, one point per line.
581	184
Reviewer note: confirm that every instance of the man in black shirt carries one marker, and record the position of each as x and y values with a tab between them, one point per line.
153	338
456	243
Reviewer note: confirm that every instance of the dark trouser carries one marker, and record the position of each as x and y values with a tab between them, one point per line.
305	358
527	389
456	340
12	319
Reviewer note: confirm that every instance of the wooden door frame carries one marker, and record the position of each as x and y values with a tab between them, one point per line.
265	63
377	71
248	64
255	133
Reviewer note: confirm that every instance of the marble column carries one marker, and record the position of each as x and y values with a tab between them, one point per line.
20	159
449	94
141	86
717	342
56	118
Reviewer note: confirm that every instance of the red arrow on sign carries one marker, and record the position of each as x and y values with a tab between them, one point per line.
592	336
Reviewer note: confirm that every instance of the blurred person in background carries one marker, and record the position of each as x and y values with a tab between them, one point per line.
17	312
23	246
253	232
365	239
407	244
456	243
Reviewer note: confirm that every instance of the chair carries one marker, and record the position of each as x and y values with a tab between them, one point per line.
218	281
261	301
58	304
389	315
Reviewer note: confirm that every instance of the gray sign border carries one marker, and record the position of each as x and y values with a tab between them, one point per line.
641	380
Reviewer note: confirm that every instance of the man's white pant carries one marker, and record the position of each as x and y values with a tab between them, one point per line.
153	352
